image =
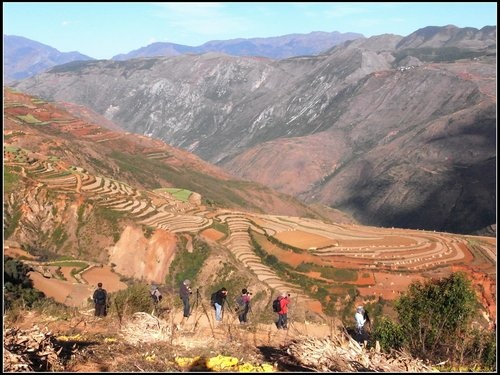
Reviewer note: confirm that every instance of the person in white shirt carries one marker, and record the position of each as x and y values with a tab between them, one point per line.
360	319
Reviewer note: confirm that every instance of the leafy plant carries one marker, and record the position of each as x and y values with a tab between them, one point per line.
148	231
134	299
435	312
187	265
390	335
17	284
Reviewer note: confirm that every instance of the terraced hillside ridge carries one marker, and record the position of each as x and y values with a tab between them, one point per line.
323	265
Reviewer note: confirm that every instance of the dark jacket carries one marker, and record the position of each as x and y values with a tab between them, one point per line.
184	291
100	296
220	297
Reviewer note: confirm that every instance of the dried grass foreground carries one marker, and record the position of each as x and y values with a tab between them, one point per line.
144	343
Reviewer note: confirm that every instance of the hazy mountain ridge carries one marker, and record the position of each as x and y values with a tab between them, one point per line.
279	47
354	98
24	57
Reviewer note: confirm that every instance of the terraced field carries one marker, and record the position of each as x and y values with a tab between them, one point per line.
391	257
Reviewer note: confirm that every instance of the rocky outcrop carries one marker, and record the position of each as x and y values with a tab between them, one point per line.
143	258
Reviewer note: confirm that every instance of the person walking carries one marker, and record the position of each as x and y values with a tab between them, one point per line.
243	303
283	312
184	293
360	320
100	298
219	298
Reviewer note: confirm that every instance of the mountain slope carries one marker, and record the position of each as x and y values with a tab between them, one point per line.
418	107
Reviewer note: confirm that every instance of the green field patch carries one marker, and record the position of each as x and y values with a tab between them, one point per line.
179	194
339	274
12	105
38	101
9	148
9	179
80	265
12	135
221	227
29	118
64	258
60	174
331	273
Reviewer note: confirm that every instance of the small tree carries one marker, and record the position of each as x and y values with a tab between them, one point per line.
17	284
136	298
435	314
390	335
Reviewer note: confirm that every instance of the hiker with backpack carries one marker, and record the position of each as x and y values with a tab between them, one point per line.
243	304
217	300
100	298
280	306
184	293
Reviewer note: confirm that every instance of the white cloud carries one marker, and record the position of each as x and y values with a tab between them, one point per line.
207	20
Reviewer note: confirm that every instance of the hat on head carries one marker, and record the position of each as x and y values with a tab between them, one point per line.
187	282
284	294
99	284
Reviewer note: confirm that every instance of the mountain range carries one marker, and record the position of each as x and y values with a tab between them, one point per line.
395	131
279	47
25	58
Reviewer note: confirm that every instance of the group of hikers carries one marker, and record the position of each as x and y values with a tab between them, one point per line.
242	304
218	299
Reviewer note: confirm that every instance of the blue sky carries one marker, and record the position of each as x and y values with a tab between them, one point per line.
103	30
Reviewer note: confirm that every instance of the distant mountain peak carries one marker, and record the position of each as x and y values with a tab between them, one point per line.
24	57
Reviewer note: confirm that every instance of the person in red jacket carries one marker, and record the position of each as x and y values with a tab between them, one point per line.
283	313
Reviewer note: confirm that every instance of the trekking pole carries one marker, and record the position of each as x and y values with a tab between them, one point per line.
229	308
205	311
289	320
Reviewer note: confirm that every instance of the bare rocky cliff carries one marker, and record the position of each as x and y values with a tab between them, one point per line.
383	128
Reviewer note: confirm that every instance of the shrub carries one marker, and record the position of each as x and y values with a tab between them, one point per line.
390	335
135	298
435	312
187	265
18	287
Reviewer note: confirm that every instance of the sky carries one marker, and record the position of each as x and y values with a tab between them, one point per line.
105	29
